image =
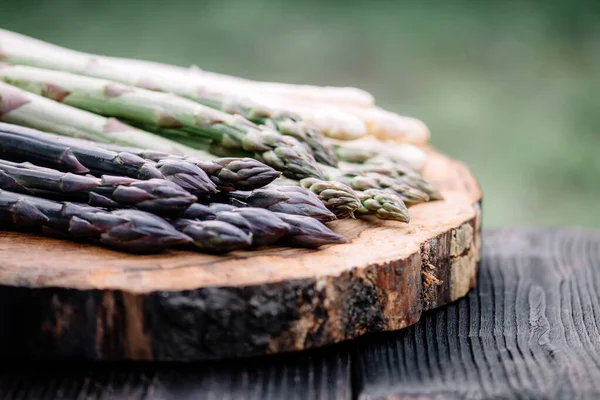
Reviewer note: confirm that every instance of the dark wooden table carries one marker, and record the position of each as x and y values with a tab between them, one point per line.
529	330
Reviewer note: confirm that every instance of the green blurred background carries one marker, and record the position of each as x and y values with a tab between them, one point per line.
511	88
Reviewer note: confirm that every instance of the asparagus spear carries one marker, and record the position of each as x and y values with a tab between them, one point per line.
129	230
339	198
264	226
213	236
155	195
349	96
408	193
316	142
356	155
163	110
23	108
373	151
227	173
286	199
237	173
384	205
359	180
404	174
308	232
188	176
22	144
267	227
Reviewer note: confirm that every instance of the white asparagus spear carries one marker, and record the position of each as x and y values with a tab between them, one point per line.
387	151
386	125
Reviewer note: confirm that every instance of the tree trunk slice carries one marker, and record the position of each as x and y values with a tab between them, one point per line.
77	300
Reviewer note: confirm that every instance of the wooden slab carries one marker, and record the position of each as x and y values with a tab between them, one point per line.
529	330
74	300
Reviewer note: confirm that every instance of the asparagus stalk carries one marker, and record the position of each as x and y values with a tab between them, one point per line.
373	151
407	192
308	232
264	226
22	144
359	180
332	122
348	96
27	109
188	176
155	195
339	198
129	230
316	142
404	174
213	236
285	199
28	144
267	227
389	126
227	173
383	205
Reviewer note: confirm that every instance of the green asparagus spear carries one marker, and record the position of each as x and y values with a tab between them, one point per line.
360	180
384	205
27	109
404	174
23	144
162	110
129	230
316	142
155	195
339	198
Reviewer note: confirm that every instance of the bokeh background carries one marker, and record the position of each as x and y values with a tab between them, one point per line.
511	88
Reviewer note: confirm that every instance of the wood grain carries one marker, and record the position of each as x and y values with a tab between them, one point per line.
82	301
529	330
300	376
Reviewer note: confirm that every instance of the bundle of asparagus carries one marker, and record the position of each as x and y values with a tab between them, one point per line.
206	151
341	113
154	195
130	230
161	187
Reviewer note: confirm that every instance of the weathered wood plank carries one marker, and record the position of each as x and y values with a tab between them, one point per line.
529	329
308	375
